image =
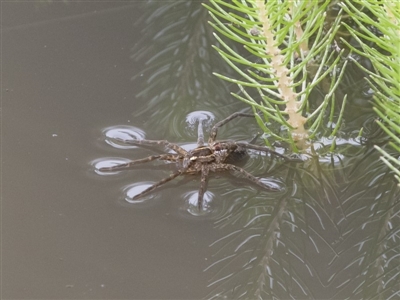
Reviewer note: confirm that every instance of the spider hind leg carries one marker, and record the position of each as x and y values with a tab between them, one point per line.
237	170
157	184
203	186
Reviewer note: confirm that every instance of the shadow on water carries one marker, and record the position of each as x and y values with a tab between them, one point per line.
332	233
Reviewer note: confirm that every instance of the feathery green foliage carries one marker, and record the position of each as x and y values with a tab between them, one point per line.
295	49
288	54
384	18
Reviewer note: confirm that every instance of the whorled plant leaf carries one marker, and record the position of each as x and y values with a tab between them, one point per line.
379	38
287	54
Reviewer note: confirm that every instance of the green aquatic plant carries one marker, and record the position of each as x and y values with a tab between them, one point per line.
336	229
378	39
293	50
334	232
290	52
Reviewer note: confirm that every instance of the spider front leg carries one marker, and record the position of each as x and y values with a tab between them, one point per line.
214	129
169	157
246	174
164	143
200	134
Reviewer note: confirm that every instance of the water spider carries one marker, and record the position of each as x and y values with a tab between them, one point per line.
215	156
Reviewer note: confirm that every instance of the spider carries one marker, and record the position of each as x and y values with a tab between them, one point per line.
216	156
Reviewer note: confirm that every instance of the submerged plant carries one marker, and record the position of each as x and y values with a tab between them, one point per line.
290	52
296	61
335	232
378	38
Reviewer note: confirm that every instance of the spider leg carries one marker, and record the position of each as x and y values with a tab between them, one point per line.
170	157
164	143
157	184
247	175
214	129
203	185
200	134
261	148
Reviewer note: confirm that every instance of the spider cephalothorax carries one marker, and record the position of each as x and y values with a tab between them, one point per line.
216	156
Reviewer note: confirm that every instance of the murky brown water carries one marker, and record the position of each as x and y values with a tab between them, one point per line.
74	72
66	232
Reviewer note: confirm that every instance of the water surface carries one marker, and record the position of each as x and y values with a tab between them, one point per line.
75	75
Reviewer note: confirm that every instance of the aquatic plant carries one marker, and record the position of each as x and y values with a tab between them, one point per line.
289	53
337	225
334	232
295	50
378	37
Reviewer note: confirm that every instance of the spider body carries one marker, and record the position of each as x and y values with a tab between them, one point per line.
216	156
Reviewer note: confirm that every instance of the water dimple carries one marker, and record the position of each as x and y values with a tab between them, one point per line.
191	203
206	117
101	165
273	184
119	136
135	189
